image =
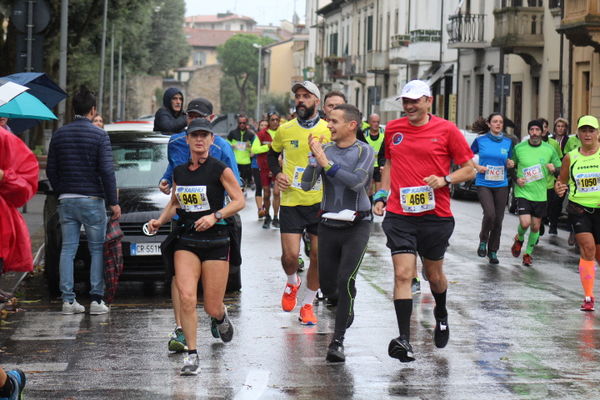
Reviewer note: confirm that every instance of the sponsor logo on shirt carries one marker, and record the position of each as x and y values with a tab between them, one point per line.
503	151
294	143
397	138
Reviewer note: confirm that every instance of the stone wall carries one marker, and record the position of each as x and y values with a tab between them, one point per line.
141	95
206	82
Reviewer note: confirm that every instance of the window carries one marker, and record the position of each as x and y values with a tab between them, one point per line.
333	44
199	58
369	32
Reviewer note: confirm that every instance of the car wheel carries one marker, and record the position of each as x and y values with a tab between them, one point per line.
234	283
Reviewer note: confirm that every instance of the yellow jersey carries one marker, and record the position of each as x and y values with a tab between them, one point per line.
292	140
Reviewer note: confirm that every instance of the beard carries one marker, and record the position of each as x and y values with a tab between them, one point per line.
305	112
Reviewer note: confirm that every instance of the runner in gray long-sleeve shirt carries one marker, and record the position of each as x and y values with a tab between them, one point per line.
345	168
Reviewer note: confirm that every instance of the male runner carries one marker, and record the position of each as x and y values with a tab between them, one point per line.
299	209
419	149
345	165
535	160
374	137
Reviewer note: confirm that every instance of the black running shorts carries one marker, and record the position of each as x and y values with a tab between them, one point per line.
376	174
427	234
587	223
297	219
538	209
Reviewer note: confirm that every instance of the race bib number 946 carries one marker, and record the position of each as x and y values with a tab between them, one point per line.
192	198
417	199
588	182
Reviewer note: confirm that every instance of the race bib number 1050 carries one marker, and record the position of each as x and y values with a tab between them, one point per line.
417	199
588	182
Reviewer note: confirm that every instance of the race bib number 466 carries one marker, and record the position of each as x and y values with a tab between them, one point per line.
588	182
192	198
417	199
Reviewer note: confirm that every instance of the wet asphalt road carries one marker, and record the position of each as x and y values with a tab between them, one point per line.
516	333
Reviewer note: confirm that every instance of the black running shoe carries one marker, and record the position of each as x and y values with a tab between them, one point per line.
482	249
402	350
275	223
441	334
335	351
493	257
267	223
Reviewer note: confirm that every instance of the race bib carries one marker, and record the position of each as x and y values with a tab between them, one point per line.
417	199
533	173
241	146
192	198
588	182
494	173
297	179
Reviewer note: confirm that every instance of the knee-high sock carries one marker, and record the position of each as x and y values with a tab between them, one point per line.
521	232
531	241
587	273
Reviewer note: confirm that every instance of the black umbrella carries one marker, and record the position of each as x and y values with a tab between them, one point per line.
40	86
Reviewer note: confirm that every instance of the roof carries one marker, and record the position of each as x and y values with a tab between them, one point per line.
217	18
209	37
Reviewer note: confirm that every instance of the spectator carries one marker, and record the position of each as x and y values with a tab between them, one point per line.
98	121
170	118
80	169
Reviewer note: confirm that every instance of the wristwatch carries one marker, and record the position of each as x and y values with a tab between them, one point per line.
329	165
448	179
218	215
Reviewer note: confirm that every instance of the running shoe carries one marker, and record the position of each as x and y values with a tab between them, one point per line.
516	247
335	351
307	315
267	223
441	333
223	330
527	260
416	286
177	341
275	223
300	264
482	249
191	365
402	350
289	298
72	308
493	257
588	304
320	296
18	380
306	240
262	213
98	308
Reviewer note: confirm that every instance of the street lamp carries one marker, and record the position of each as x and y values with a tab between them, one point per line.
259	47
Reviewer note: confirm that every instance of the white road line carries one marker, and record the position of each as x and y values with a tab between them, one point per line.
254	386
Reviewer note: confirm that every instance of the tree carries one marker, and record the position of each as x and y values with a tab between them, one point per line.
239	59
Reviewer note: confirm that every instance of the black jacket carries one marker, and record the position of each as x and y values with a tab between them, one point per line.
166	120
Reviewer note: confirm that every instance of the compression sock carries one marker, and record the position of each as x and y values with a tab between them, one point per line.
521	232
440	304
309	296
532	241
587	273
403	312
293	279
7	389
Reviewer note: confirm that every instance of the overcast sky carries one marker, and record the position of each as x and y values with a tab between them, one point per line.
263	12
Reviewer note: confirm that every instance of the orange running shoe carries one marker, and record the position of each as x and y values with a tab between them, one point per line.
516	247
288	300
307	315
588	304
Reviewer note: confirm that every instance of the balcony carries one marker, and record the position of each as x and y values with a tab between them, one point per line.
581	23
399	41
466	31
377	61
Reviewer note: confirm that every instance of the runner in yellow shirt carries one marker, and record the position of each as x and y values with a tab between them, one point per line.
299	209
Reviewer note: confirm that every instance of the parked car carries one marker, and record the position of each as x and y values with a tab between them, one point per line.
468	188
140	159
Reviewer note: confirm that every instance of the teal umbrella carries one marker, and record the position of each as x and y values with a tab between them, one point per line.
26	106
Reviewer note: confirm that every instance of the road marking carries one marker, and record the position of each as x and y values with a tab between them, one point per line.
254	386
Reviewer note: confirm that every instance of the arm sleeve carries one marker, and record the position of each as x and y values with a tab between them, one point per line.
257	147
357	178
107	173
310	176
20	180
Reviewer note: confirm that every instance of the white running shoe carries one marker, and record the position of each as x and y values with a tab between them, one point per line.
72	308
98	308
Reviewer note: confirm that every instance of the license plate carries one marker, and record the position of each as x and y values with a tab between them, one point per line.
145	249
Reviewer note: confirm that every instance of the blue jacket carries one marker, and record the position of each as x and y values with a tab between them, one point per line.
179	153
80	161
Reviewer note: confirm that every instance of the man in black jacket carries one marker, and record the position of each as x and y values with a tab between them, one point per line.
170	118
80	169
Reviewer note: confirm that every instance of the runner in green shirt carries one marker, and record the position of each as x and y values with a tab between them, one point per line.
535	160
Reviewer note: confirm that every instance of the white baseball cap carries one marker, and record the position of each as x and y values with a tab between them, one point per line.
415	90
309	86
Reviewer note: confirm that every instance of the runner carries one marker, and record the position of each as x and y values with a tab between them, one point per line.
535	160
345	166
555	202
258	187
260	147
581	170
374	136
419	149
201	244
299	209
241	140
494	151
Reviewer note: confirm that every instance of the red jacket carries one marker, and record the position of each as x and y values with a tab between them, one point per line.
19	184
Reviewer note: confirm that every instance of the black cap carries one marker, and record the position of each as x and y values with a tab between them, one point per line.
200	124
200	106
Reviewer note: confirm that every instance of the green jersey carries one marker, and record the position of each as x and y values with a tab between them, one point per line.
530	164
556	146
572	144
584	179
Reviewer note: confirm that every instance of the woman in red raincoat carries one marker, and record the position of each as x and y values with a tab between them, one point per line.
19	171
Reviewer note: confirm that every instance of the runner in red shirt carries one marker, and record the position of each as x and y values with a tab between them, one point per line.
419	149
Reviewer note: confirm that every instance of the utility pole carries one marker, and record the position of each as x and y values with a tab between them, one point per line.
111	104
102	56
62	66
119	83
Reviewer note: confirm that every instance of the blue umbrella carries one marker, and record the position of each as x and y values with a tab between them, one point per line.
40	86
26	106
